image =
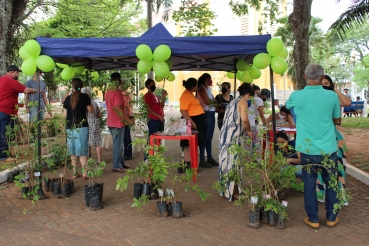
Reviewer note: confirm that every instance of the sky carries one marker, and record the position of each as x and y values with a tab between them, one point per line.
329	11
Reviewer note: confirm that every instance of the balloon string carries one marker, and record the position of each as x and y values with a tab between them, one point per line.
164	83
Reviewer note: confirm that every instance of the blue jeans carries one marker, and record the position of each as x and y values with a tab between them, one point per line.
208	135
127	142
33	113
309	178
5	120
298	173
118	145
154	126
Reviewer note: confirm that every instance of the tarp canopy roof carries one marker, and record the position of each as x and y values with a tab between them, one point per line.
215	53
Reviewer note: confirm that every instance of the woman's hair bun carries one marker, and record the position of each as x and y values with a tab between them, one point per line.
184	83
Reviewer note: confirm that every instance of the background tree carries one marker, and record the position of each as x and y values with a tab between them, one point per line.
195	19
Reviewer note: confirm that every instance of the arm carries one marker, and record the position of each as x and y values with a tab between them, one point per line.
26	102
261	113
98	113
65	112
29	91
90	108
270	118
121	114
290	121
46	105
344	100
187	117
243	110
151	111
164	93
203	95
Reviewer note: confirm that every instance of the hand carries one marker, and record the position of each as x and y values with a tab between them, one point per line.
51	114
193	125
249	133
292	125
161	118
164	93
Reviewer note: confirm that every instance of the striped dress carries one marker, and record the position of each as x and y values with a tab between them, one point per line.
231	132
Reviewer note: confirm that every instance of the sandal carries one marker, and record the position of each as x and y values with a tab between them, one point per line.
84	178
77	176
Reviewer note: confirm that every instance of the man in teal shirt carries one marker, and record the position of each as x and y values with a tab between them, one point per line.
317	111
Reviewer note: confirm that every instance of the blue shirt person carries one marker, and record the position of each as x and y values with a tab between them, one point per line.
317	111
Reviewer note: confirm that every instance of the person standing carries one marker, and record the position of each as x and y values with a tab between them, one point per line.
76	107
207	101
31	101
116	121
154	106
236	125
259	105
316	140
94	131
192	111
223	100
127	98
9	91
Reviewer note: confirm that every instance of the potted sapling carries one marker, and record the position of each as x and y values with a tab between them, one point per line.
94	191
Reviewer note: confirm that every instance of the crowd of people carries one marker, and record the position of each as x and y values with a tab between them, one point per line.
237	118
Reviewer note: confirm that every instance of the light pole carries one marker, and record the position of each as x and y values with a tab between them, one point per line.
354	57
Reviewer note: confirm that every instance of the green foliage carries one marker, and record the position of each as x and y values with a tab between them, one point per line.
195	19
94	169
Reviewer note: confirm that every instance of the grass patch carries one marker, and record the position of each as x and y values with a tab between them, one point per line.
355	122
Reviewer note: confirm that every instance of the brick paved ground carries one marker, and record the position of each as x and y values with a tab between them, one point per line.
214	222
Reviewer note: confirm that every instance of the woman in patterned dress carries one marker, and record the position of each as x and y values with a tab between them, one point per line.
235	123
94	131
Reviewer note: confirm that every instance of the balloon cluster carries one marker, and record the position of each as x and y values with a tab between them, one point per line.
30	53
76	68
159	61
276	58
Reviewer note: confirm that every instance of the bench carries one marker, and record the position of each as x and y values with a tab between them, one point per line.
352	109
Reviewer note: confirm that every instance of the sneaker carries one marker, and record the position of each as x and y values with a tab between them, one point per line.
312	224
212	162
204	164
332	224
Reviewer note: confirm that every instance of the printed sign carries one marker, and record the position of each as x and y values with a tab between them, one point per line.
254	199
284	203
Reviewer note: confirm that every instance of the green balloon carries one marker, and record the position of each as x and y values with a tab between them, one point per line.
144	66
161	69
283	53
94	75
246	77
261	60
239	75
29	66
45	63
169	63
78	68
33	48
254	73
61	65
23	53
242	65
230	75
158	79
67	73
144	52
171	77
162	53
274	46
279	65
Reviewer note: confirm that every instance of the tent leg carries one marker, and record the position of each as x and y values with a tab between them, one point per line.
273	108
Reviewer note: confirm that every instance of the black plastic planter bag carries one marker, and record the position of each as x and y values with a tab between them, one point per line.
146	190
56	189
177	211
71	186
51	185
264	217
254	221
162	209
24	191
47	185
281	224
87	195
272	218
95	194
137	190
64	191
100	189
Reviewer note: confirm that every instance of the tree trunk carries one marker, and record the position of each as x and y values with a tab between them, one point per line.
10	11
300	21
149	14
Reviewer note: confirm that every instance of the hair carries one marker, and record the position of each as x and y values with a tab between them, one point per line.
314	72
189	83
74	98
265	92
285	110
203	79
148	81
282	134
227	84
115	77
244	89
255	87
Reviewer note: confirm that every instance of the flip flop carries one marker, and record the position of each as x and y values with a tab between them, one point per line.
84	178
78	175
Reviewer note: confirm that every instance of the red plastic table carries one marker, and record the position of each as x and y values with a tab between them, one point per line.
155	139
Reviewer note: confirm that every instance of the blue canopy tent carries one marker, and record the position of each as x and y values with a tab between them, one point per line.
215	53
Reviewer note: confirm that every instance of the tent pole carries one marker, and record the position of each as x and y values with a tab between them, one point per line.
273	108
39	115
235	79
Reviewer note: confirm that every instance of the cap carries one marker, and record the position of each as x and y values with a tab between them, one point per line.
13	68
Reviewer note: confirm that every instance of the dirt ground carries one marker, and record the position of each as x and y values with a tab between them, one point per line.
357	147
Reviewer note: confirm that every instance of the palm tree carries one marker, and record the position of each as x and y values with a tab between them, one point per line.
354	16
154	6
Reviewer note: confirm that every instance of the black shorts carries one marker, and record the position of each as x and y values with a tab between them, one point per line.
199	121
